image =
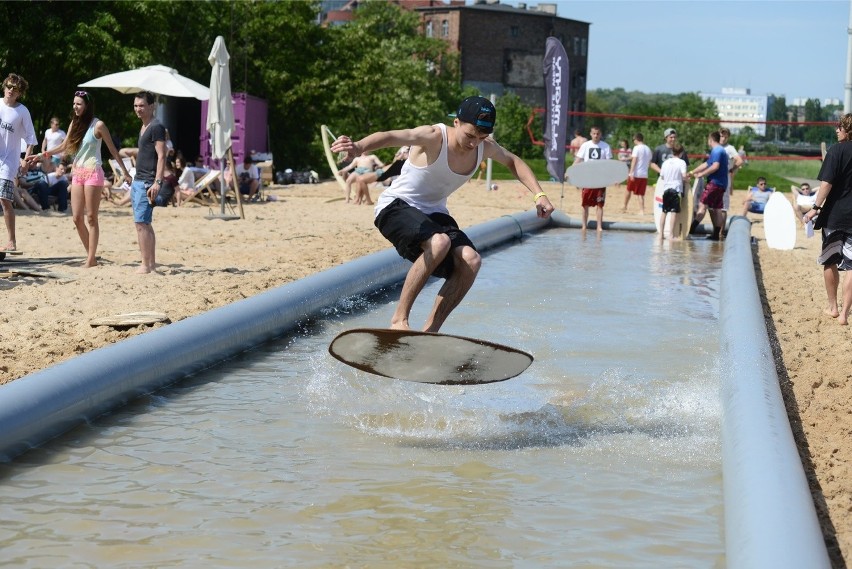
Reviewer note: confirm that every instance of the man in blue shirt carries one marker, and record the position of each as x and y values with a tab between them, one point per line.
716	171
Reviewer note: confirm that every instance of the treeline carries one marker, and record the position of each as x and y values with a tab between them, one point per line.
379	72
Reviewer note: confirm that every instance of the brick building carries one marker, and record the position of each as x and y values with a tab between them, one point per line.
501	47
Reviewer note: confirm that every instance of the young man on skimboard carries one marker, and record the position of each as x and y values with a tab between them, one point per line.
412	213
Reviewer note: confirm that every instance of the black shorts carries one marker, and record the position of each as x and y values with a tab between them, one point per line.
407	227
671	201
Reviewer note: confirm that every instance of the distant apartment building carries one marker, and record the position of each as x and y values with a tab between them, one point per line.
737	106
500	47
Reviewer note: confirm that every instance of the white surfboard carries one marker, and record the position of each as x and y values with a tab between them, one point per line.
597	173
779	223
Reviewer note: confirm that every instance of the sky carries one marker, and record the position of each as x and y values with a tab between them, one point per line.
790	48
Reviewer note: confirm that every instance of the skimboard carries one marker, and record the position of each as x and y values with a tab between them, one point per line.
327	138
4	253
597	173
779	222
427	357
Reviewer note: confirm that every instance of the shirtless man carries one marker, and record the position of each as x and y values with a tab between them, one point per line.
412	213
359	166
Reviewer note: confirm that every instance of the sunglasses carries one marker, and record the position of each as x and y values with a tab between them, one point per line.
82	94
11	87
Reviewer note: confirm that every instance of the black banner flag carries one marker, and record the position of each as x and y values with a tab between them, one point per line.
556	107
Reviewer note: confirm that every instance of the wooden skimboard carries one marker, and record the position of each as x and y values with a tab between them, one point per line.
597	173
427	357
327	138
130	320
4	253
779	223
688	205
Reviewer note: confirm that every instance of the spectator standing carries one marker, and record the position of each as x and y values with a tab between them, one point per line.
85	135
593	149
17	130
150	168
712	199
53	137
735	162
637	176
832	212
664	151
672	178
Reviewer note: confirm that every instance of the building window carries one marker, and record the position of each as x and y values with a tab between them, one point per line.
429	29
514	31
445	29
576	45
583	46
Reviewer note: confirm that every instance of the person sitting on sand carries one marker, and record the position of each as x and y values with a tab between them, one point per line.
757	197
360	165
804	199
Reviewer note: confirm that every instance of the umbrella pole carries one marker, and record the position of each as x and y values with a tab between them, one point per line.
236	185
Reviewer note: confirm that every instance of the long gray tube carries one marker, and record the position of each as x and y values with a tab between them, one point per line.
770	519
769	515
44	404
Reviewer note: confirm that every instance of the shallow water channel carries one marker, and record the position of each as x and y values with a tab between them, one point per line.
605	453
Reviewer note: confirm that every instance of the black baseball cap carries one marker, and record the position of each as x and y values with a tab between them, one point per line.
479	112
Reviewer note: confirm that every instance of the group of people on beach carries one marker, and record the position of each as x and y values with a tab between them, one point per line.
83	141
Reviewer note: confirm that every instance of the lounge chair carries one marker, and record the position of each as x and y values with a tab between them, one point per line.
203	191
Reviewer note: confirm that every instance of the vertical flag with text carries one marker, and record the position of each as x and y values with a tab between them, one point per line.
556	107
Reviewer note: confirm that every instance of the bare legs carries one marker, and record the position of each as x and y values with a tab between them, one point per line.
832	281
435	250
9	218
598	218
85	203
147	244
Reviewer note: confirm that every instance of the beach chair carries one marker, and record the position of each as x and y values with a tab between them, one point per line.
204	191
118	189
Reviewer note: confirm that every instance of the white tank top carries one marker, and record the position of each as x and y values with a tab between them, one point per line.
428	187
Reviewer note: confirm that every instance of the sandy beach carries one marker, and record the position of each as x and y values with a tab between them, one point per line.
205	263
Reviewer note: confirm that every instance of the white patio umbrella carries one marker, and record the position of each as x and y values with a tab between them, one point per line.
220	113
157	79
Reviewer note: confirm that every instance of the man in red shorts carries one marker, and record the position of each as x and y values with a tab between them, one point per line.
716	171
594	149
637	177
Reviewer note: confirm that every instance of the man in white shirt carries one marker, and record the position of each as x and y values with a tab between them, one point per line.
248	178
672	178
594	149
53	137
637	177
16	128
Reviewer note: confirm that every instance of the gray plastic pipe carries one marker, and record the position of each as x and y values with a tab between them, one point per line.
42	405
770	519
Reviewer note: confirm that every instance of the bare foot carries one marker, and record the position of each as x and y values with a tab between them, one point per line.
842	320
400	326
144	270
90	264
833	313
10	246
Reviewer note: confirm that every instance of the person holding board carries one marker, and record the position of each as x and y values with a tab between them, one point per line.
412	213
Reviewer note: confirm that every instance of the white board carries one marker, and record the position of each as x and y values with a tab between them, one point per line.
779	223
597	173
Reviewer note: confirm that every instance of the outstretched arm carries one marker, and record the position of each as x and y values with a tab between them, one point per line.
425	136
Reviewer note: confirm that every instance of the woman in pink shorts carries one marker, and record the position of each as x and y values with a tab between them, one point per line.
87	181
